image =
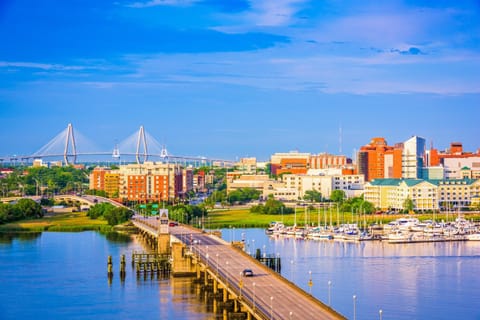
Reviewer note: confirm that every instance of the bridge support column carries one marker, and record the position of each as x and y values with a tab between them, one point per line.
163	243
215	286
225	295
205	276
197	269
215	306
182	264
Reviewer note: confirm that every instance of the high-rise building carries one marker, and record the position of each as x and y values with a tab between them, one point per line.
413	158
378	160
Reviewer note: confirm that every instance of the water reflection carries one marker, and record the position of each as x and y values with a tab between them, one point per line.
407	281
118	237
8	237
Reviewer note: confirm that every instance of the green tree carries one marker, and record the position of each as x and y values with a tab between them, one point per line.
243	195
313	196
408	205
117	215
337	196
29	208
271	206
99	210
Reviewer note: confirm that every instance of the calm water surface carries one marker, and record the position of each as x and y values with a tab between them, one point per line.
63	276
405	281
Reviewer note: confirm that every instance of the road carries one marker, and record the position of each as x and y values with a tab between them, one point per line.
266	290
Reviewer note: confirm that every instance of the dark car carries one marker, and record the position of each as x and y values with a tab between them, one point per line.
247	273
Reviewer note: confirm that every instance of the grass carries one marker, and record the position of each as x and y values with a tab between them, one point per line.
243	218
66	222
239	218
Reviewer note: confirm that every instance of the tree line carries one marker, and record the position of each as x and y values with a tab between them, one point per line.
21	210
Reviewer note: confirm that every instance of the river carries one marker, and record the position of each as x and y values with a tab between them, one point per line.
63	276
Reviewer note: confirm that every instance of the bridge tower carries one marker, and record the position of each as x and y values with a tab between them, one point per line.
116	152
141	141
164	153
70	142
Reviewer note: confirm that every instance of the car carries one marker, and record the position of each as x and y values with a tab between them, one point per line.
247	273
173	224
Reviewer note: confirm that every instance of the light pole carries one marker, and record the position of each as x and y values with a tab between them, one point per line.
291	314
329	287
291	271
354	307
217	264
310	283
271	308
380	312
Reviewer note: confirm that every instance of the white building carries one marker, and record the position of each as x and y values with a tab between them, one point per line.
352	185
453	166
412	157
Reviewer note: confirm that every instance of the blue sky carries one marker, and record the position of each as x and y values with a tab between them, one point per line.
240	78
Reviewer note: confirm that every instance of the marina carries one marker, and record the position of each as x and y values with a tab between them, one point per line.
402	230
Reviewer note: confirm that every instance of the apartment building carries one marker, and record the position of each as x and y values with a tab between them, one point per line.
150	181
377	160
388	194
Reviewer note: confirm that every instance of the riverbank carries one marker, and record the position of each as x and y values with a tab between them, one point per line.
225	218
62	222
243	218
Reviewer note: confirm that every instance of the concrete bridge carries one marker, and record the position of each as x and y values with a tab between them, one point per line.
87	200
218	266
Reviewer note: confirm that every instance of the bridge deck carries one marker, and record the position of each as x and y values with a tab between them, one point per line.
266	291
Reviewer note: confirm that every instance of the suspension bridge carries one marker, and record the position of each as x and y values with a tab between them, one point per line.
70	147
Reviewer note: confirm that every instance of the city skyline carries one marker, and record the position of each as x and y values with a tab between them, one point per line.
242	78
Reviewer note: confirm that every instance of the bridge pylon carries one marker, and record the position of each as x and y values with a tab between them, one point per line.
70	142
116	152
141	141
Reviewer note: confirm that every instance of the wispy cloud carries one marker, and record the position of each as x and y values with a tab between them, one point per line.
274	13
42	66
154	3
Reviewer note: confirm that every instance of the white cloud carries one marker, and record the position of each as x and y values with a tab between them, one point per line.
154	3
273	13
42	66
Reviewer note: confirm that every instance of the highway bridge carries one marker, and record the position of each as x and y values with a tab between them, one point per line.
266	295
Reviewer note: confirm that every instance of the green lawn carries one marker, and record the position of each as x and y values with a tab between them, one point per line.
72	221
242	218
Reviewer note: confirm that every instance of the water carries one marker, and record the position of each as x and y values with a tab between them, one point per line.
405	281
63	276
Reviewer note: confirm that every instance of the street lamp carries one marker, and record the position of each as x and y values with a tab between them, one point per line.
271	308
310	283
291	270
380	312
354	307
329	287
291	314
